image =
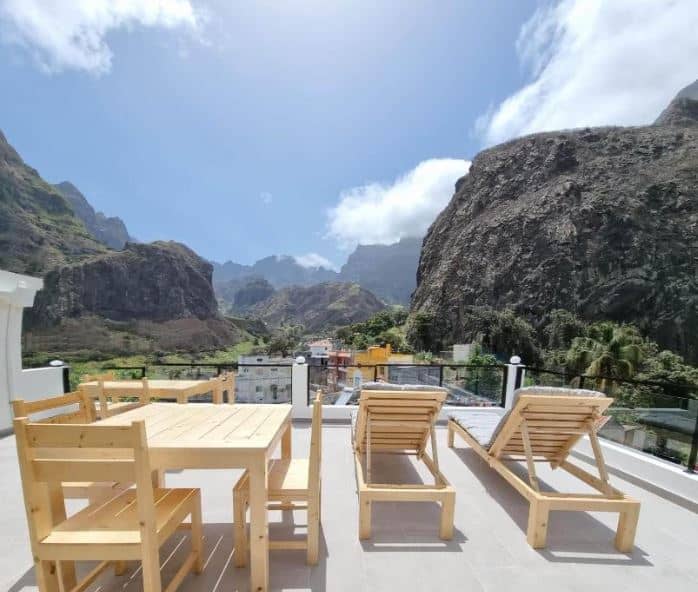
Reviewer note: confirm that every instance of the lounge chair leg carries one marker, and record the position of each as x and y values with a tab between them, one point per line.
537	533
119	568
448	506
451	435
364	518
240	527
627	525
150	566
197	535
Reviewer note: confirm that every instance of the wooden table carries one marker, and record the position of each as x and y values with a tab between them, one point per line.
181	390
207	436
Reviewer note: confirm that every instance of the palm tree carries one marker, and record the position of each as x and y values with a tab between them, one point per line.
608	350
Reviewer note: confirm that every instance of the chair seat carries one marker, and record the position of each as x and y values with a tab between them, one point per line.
482	424
117	521
289	476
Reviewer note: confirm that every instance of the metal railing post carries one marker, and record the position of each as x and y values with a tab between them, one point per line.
441	375
66	379
692	457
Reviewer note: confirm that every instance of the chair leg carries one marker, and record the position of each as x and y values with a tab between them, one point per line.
448	506
119	567
537	532
451	435
151	569
313	529
364	517
47	576
240	546
627	526
197	535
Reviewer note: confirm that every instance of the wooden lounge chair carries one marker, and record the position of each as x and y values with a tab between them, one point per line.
543	425
68	413
130	526
399	419
294	484
111	405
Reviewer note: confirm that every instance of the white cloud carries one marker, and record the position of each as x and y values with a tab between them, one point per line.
266	197
599	62
71	34
314	260
383	214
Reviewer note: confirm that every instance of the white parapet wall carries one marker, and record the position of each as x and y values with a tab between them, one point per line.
17	293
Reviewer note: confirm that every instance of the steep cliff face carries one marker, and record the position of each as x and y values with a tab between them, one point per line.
161	281
602	222
38	229
389	271
108	230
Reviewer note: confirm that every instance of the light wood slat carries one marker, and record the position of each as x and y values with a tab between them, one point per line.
78	436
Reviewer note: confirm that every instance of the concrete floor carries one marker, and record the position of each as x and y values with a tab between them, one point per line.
488	553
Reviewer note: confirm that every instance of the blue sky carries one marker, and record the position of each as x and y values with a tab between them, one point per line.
245	129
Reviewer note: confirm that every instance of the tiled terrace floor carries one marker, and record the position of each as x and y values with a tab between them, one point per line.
489	550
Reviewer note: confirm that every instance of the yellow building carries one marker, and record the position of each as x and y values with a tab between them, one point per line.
376	355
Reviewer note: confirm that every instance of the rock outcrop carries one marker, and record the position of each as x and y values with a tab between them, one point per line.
160	281
108	230
601	222
318	307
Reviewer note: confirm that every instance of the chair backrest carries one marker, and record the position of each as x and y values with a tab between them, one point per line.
85	412
398	420
554	422
228	385
315	442
50	454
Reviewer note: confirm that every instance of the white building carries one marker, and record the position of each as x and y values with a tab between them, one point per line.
17	293
320	351
261	379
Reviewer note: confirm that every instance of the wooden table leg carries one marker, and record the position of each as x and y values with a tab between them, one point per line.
217	394
259	527
286	447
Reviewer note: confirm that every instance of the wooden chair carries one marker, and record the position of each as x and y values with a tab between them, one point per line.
85	413
294	484
543	425
399	421
111	405
131	526
228	385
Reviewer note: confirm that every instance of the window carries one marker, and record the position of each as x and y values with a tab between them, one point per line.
258	389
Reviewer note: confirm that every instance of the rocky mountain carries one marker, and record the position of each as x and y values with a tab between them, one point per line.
158	281
241	294
602	222
389	271
147	297
318	307
38	229
278	270
110	231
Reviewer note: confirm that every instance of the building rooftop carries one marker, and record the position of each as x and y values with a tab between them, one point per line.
489	551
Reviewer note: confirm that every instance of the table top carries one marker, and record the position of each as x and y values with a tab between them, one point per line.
206	428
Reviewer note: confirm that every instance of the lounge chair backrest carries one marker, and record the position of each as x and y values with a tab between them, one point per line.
50	454
397	420
553	423
85	412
